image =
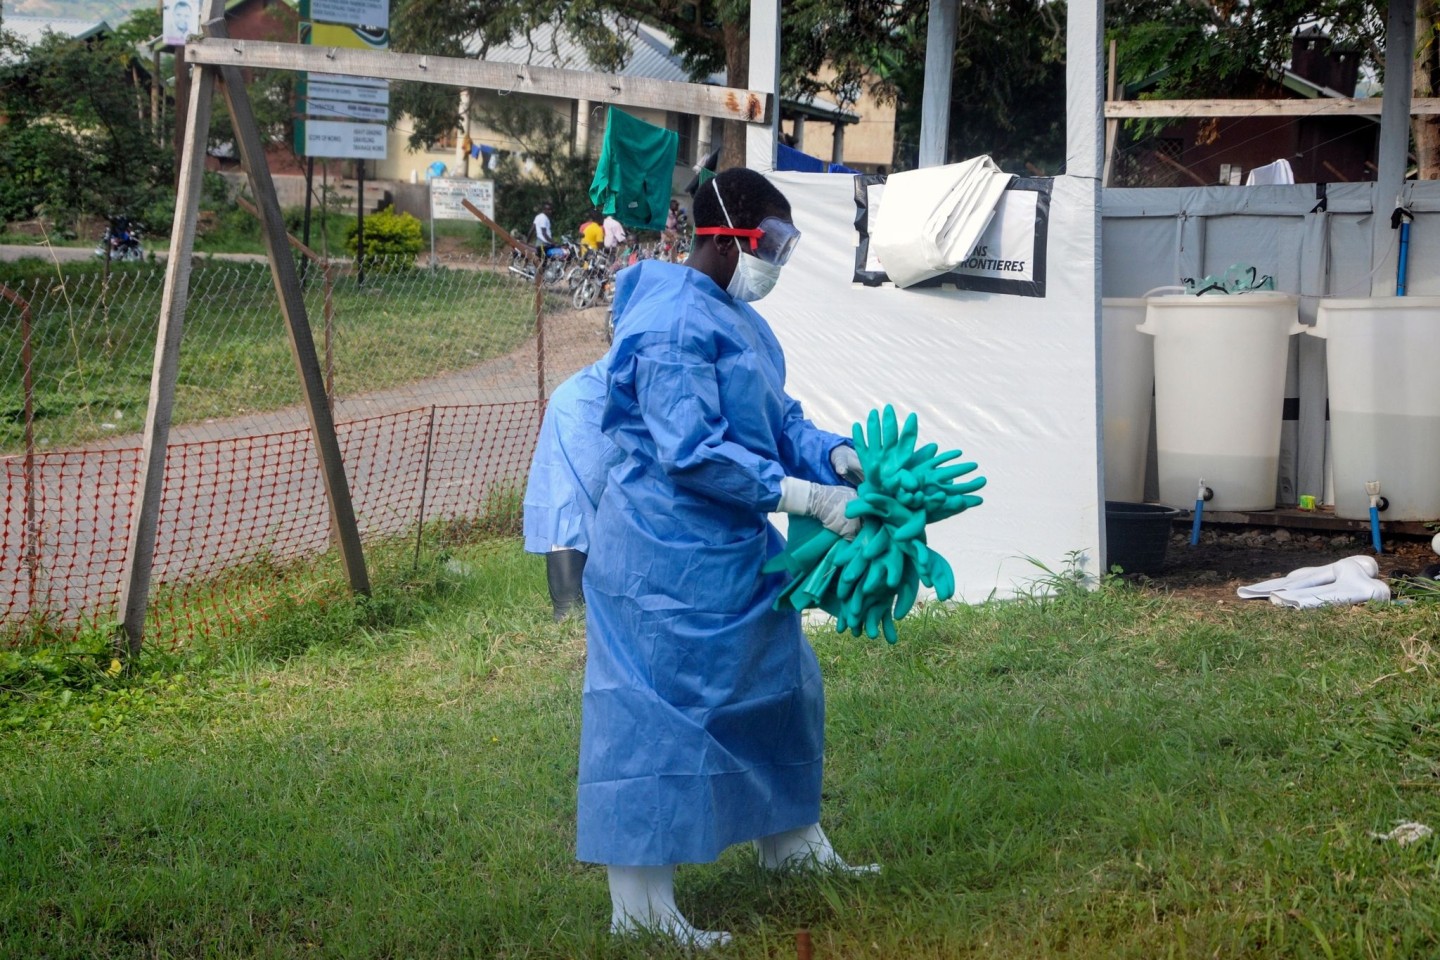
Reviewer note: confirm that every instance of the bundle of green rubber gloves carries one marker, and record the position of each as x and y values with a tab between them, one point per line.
870	582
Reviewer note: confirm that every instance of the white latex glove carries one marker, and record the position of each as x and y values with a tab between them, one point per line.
824	502
846	463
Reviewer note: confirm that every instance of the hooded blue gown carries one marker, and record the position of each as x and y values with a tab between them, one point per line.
702	722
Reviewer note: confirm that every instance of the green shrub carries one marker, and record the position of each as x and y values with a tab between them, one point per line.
392	240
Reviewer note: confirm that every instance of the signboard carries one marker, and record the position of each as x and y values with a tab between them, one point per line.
337	138
370	13
342	109
1009	257
447	192
339	87
180	19
328	104
344	35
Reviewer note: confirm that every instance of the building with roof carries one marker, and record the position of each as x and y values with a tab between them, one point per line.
1319	149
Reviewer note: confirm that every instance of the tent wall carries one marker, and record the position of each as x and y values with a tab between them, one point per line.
1314	239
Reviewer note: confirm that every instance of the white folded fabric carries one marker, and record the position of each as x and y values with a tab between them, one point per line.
1277	172
1309	577
1350	590
930	219
1348	580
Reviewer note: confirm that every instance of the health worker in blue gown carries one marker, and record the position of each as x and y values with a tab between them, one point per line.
567	474
702	723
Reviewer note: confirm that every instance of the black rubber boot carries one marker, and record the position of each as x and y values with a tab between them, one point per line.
563	572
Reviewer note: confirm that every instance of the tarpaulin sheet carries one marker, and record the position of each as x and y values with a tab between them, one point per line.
1011	380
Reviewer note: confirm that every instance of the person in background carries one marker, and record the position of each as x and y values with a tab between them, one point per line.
677	224
702	719
592	234
541	230
614	233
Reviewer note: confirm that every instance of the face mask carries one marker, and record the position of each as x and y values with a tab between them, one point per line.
753	278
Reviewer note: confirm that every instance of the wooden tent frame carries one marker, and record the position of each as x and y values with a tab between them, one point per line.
217	60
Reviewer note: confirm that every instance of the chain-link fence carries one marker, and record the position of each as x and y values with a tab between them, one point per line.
436	377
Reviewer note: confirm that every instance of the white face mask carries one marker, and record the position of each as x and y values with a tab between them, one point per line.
753	278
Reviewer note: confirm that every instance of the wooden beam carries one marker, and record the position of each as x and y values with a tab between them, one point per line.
729	103
1360	107
1112	126
297	324
1172	162
145	513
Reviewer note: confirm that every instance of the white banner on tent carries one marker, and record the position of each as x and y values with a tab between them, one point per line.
447	192
1009	379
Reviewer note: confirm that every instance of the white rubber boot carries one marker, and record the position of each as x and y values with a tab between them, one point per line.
643	898
805	849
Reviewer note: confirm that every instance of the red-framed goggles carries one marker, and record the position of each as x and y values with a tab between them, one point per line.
773	241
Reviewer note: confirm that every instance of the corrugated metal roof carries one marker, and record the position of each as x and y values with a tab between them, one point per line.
32	29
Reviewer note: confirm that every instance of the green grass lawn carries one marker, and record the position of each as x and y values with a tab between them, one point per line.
94	341
1110	775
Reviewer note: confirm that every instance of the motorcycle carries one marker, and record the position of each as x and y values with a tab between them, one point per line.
121	241
556	258
596	280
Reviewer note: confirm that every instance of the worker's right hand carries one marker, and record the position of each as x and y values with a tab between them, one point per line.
824	502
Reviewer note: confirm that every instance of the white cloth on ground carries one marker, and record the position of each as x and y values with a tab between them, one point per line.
1306	577
930	219
1348	580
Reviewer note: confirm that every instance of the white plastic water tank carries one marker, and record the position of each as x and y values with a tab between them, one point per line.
1127	379
1383	365
1219	392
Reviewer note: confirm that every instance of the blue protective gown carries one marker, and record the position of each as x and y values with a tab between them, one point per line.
572	458
702	723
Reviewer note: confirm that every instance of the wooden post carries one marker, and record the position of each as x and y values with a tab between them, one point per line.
1112	126
144	514
939	66
292	306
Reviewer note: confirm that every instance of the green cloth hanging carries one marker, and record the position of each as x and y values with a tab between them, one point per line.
633	179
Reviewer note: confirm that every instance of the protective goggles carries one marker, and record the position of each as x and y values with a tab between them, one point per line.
773	241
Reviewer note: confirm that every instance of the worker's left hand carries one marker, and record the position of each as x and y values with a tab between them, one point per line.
847	465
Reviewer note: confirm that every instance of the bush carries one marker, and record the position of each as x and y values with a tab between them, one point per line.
392	240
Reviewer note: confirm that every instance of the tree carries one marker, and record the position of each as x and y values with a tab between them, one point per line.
710	36
1007	89
1225	48
562	178
78	138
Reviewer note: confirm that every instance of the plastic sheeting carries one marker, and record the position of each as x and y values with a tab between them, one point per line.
1314	239
1011	380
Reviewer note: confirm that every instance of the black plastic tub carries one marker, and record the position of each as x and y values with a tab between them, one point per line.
1136	535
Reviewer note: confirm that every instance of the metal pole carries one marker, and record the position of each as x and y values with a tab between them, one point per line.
1394	153
425	483
360	223
939	65
760	138
305	228
31	535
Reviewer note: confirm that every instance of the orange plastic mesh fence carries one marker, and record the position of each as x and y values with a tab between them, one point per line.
435	378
